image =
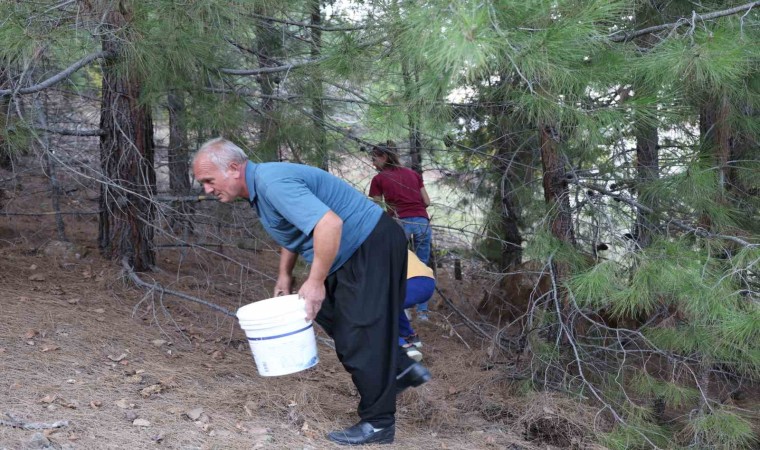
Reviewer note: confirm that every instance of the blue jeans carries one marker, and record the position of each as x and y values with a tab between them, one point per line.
419	232
418	290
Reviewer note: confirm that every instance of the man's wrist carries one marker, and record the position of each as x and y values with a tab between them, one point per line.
316	278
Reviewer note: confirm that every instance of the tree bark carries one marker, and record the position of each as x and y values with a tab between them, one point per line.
126	158
556	192
50	169
5	104
415	145
317	105
723	144
744	149
267	48
179	166
647	140
510	162
647	171
557	196
715	135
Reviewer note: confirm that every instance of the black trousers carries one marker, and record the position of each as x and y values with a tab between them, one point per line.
360	312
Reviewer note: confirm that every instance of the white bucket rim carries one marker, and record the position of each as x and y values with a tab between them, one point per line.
262	310
295	316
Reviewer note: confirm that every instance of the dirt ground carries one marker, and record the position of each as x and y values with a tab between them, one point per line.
128	368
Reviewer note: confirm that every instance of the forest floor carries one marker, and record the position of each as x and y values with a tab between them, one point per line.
131	369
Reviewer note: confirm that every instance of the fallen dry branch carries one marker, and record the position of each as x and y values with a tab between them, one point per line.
48	213
469	322
326	341
18	423
157	287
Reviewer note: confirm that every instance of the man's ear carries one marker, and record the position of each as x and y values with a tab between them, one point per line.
234	167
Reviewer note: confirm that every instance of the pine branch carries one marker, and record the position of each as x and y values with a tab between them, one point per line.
57	78
284	68
50	213
307	25
66	132
252	93
288	67
189	198
629	201
627	36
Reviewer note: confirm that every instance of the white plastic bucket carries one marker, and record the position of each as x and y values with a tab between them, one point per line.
274	321
281	340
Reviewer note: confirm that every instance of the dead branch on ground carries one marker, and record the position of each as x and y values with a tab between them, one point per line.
157	287
15	422
469	322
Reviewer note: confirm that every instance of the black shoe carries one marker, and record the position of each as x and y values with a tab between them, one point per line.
414	375
363	433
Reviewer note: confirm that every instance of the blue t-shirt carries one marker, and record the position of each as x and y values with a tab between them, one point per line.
291	198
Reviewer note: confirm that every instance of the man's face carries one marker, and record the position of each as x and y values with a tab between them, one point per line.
224	184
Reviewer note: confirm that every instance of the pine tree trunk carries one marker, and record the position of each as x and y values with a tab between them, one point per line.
647	146
647	171
179	165
557	196
5	151
510	163
126	158
317	105
723	144
415	146
744	148
715	135
50	169
556	192
267	46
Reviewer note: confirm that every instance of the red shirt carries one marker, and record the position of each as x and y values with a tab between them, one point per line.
400	188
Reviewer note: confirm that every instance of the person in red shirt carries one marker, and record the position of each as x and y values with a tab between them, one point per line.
403	192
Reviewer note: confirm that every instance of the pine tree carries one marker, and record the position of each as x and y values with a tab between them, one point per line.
583	74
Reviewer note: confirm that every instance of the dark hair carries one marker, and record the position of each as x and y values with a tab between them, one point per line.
388	149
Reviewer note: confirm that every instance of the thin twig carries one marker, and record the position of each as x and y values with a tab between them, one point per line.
453	330
469	322
187	198
326	341
283	68
306	25
69	132
133	276
18	423
624	36
50	213
57	78
698	231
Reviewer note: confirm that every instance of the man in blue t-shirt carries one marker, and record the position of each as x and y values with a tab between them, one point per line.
357	279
